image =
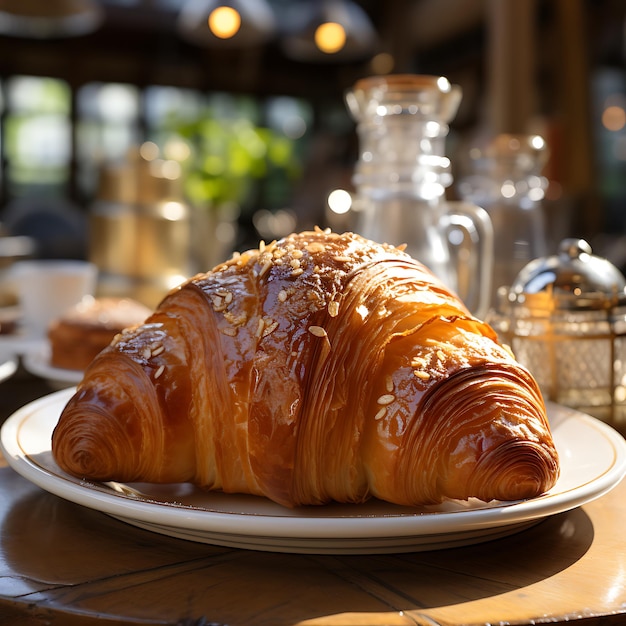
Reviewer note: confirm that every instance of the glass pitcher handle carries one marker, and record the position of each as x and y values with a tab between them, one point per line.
470	237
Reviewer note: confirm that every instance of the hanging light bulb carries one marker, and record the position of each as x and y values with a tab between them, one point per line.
222	23
328	30
330	37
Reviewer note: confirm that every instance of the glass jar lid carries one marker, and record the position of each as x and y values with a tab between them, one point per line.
400	95
574	278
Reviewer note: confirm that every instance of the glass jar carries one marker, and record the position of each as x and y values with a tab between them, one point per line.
402	175
506	180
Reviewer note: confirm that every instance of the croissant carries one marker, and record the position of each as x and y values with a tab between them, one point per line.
321	367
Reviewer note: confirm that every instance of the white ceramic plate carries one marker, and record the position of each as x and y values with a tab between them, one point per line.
593	461
20	343
8	365
37	362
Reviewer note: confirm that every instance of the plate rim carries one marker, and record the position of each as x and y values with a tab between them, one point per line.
406	524
21	343
8	365
37	362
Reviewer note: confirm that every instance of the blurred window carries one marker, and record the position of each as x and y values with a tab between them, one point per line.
108	126
162	105
609	132
37	135
232	148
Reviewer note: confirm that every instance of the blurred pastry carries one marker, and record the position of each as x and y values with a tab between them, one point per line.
87	328
8	320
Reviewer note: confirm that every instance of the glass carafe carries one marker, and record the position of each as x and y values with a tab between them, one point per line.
401	177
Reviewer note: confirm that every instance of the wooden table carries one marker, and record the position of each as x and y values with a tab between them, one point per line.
65	565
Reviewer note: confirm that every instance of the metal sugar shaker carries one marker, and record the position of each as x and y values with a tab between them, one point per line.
564	317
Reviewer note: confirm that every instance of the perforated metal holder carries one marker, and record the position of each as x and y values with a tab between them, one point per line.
564	318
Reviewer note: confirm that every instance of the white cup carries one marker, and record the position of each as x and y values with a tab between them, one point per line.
45	289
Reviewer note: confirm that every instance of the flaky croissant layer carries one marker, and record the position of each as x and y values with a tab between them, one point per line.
320	367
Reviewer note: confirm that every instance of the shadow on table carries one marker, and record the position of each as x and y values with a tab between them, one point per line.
53	546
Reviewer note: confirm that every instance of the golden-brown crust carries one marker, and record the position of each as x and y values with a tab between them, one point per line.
321	367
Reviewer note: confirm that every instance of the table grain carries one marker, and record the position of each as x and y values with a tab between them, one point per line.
63	564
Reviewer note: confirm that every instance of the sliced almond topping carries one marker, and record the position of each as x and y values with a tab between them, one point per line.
381	413
333	308
312	295
260	327
316	246
236	319
386	399
265	268
218	303
269	328
422	375
318	331
226	295
159	371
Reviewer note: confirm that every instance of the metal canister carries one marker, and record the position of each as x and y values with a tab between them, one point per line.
140	233
564	318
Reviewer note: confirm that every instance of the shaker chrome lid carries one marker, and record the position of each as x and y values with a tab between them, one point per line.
574	278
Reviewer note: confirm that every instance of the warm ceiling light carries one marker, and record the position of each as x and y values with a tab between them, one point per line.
224	22
328	30
614	118
330	37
